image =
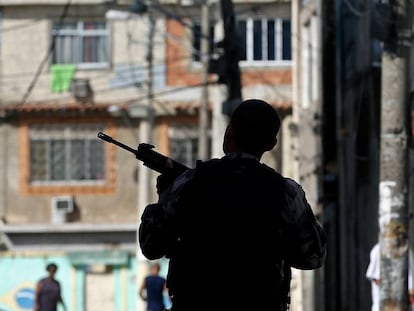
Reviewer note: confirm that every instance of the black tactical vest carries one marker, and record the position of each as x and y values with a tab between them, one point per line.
230	249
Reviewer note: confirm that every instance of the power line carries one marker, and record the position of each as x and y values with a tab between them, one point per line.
135	100
43	62
171	91
100	76
174	38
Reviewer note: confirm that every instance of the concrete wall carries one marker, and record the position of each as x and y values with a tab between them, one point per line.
24	46
119	206
26	39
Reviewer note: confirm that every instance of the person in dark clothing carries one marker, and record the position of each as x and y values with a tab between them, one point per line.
152	289
219	222
48	291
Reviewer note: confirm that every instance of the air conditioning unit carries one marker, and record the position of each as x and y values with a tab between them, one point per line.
61	206
186	2
124	2
82	90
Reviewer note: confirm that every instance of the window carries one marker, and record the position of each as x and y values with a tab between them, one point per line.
196	30
66	153
85	44
184	144
264	40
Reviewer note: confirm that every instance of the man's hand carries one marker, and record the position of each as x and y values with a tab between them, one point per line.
164	181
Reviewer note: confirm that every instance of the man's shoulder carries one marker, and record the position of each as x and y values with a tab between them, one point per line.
208	164
155	279
292	188
273	172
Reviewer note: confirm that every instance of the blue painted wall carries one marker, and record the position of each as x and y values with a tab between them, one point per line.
20	273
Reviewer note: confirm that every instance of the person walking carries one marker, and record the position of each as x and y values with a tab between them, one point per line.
48	291
233	227
152	289
373	275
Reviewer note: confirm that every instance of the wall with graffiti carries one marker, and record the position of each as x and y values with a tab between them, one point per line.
19	275
92	281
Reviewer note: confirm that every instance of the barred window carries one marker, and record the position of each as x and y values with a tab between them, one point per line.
184	144
264	40
197	37
66	153
85	44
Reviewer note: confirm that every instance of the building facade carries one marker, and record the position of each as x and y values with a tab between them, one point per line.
337	48
68	70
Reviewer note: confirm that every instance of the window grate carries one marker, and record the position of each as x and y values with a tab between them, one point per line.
184	144
264	40
66	153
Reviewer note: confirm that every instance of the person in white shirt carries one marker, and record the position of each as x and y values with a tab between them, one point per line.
373	275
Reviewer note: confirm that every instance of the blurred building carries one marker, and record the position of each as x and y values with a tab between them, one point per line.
68	72
337	83
336	104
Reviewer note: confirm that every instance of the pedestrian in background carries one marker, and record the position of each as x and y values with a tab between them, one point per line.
48	291
233	227
373	275
153	288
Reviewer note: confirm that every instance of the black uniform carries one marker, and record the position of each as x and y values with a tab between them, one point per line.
229	226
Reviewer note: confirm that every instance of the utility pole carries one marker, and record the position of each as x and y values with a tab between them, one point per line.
231	75
145	135
146	124
393	207
204	57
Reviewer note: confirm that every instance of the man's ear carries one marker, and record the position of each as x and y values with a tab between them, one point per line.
228	140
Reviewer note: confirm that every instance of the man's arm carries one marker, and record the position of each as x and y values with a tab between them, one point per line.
153	232
158	222
142	290
60	299
306	239
373	270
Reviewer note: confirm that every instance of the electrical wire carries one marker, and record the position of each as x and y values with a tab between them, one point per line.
134	78
43	62
177	18
142	98
174	38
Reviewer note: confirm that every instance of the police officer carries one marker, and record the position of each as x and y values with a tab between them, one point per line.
232	227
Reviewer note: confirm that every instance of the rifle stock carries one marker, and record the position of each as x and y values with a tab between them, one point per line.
150	158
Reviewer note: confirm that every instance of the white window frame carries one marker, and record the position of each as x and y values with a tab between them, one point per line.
79	33
250	43
197	22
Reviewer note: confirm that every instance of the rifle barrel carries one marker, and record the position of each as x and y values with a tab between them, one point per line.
109	139
154	160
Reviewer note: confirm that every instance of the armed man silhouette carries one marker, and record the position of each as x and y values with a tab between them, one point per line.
233	227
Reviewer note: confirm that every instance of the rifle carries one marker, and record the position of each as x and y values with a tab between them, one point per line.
150	158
